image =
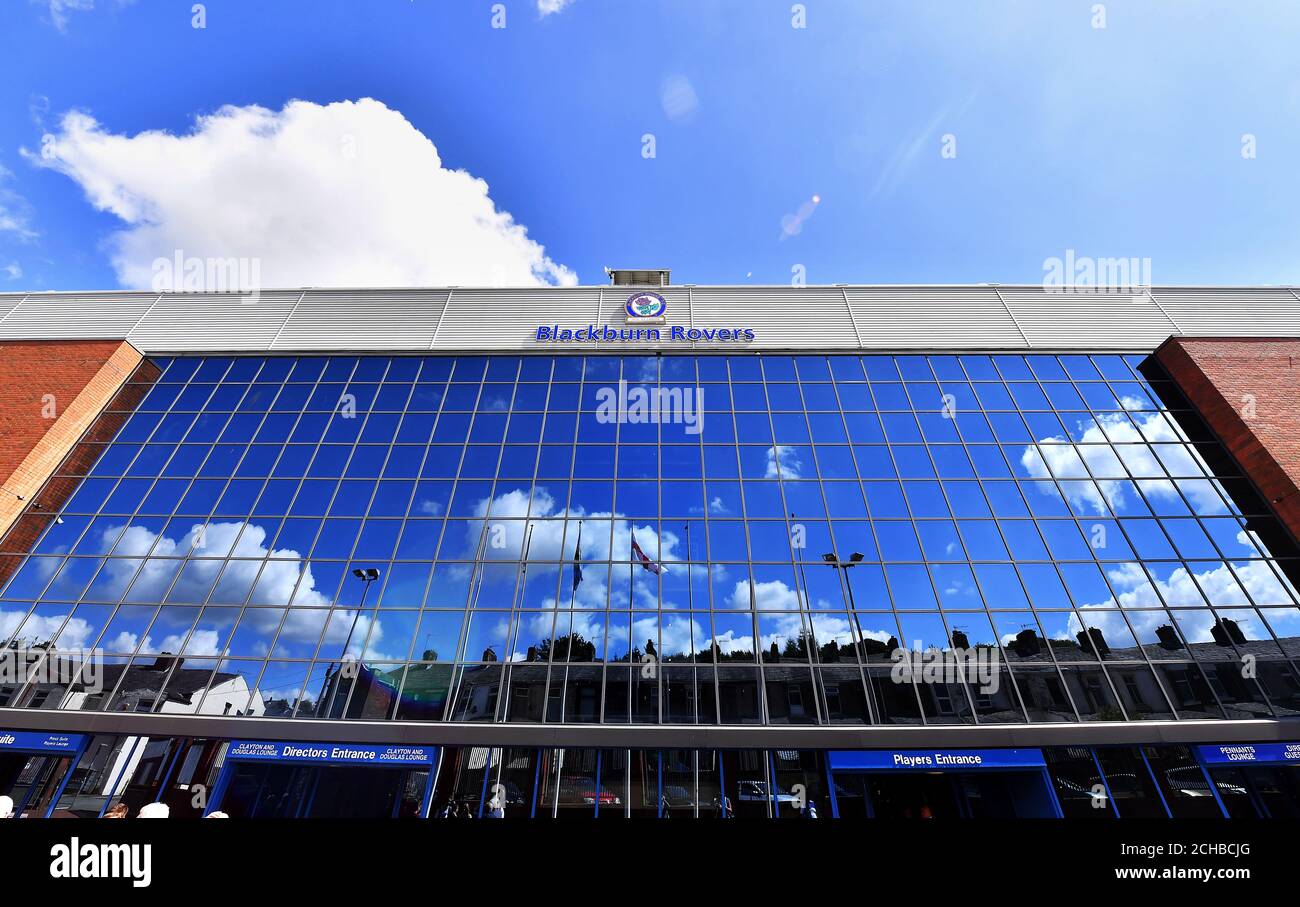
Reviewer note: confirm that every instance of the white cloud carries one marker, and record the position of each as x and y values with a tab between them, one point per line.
783	462
13	270
343	194
14	217
1186	593
1057	456
500	527
280	571
678	99
60	9
550	7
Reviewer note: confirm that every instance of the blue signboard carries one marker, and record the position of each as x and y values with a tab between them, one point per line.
40	742
1222	754
934	760
347	753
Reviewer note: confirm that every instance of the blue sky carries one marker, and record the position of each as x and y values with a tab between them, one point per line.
1122	141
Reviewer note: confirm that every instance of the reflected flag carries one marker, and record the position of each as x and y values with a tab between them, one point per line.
646	563
577	560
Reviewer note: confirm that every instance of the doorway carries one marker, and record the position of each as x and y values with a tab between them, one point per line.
952	795
32	781
270	790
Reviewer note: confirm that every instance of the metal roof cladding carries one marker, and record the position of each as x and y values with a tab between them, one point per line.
822	317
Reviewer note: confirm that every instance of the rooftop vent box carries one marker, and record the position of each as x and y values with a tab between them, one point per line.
638	277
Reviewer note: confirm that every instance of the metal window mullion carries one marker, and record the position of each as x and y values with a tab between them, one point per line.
1169	607
661	678
460	657
925	562
609	571
401	529
714	662
275	636
563	517
1140	561
429	447
307	556
687	562
859	648
1266	557
943	613
631	576
521	574
763	711
884	573
805	600
406	519
970	561
227	557
502	704
105	558
352	552
1034	520
1020	580
1224	562
1074	605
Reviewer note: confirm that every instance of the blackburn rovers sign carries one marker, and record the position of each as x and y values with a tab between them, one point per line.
644	308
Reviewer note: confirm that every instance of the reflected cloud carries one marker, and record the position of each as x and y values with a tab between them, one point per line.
1092	454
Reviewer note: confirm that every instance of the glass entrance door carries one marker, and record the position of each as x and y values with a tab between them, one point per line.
31	781
286	791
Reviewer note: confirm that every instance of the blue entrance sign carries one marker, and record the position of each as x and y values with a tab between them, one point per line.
348	753
40	742
1254	753
934	760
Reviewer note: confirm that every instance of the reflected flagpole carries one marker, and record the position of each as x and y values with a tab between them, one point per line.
690	587
577	567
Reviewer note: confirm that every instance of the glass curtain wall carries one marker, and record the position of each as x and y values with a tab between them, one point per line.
492	539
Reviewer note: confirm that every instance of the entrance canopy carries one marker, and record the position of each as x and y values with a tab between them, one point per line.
935	760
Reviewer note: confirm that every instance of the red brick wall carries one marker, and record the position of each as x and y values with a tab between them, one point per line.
1248	391
51	392
30	369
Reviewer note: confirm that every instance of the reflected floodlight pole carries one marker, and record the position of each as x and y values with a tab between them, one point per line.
367	576
854	559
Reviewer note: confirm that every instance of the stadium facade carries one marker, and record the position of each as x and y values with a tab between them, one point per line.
652	550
